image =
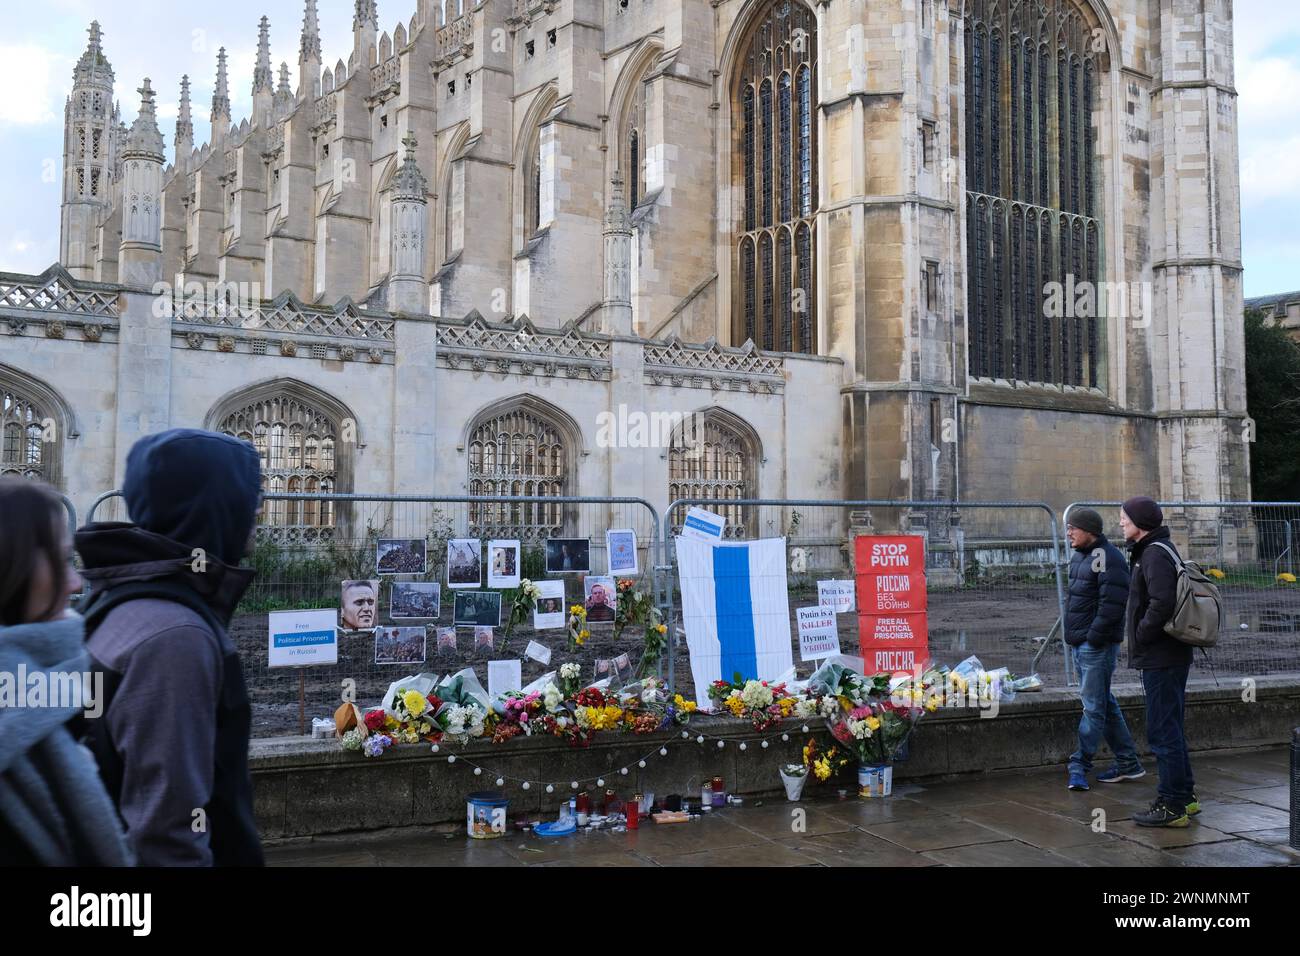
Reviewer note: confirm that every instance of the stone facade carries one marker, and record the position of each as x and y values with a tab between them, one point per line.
446	223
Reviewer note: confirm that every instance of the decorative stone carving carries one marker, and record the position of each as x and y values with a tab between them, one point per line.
288	348
55	329
347	353
93	332
17	327
194	339
226	343
376	356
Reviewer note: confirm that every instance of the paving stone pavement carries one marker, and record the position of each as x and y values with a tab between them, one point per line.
1019	819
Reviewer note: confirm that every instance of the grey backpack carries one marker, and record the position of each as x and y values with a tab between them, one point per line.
1198	608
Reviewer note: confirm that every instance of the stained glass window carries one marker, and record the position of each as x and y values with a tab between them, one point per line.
776	123
517	452
1031	77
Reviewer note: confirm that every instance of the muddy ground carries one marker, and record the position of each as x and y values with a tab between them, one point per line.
1003	628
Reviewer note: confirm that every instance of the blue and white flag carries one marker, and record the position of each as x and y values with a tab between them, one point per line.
736	611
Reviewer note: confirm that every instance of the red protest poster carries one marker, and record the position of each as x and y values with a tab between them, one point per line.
892	625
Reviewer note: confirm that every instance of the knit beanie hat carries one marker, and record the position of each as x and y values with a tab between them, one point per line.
1144	512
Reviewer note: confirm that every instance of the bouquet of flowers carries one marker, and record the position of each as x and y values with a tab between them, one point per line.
464	712
763	703
576	626
647	707
522	602
637	608
570	676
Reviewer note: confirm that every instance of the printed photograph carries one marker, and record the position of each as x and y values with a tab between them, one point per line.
549	612
400	645
503	564
415	599
481	608
358	605
568	555
621	545
601	599
401	556
464	563
447	640
484	638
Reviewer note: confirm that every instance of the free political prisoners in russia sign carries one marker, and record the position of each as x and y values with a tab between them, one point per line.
892	628
300	638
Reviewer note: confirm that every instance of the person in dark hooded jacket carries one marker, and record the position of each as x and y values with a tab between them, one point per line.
1165	662
172	743
1094	629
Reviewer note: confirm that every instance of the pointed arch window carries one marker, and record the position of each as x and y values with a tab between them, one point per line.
34	420
635	145
775	104
520	451
1031	163
713	458
295	441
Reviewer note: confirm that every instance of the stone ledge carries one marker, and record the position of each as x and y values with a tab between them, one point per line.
304	787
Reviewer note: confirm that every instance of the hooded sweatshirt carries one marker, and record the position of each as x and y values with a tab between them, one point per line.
173	741
54	810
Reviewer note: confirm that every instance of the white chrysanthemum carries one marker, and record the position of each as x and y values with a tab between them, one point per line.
805	708
570	671
756	696
552	698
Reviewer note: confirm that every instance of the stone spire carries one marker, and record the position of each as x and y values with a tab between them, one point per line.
221	101
366	14
145	140
262	70
93	68
263	87
617	311
309	54
365	28
140	253
409	183
284	89
408	289
184	126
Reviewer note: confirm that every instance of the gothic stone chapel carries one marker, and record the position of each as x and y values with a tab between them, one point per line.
826	225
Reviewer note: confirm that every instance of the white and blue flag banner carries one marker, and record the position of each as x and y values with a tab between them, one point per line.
735	610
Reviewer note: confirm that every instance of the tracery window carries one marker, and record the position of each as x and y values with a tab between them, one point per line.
775	108
635	144
22	436
711	459
1031	201
518	452
298	446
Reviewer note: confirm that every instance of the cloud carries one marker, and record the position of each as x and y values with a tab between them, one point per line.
30	85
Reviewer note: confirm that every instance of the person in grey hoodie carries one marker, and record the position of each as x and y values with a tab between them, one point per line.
172	744
54	811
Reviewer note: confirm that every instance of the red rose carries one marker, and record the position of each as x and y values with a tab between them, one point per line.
375	720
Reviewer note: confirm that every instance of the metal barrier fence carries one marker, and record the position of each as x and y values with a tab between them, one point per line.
994	579
1249	547
322	540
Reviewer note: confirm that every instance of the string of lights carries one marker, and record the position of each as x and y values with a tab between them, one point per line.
550	786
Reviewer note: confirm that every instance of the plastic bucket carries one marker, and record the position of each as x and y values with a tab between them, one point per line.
485	815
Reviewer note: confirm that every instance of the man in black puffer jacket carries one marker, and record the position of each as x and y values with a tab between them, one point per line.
1163	660
1094	629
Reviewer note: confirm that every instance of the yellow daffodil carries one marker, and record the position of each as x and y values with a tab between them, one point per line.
1216	574
873	723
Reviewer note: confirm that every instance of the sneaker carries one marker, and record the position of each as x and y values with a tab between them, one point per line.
1115	775
1161	815
1193	806
1078	781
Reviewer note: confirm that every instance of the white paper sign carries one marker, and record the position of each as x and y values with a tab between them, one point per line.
704	525
837	595
549	612
538	652
819	635
299	638
504	676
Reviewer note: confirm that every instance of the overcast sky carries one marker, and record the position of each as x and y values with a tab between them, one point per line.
164	40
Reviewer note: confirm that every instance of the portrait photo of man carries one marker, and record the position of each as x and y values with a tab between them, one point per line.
359	605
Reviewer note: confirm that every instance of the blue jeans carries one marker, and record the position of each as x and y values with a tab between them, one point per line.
1166	691
1102	718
